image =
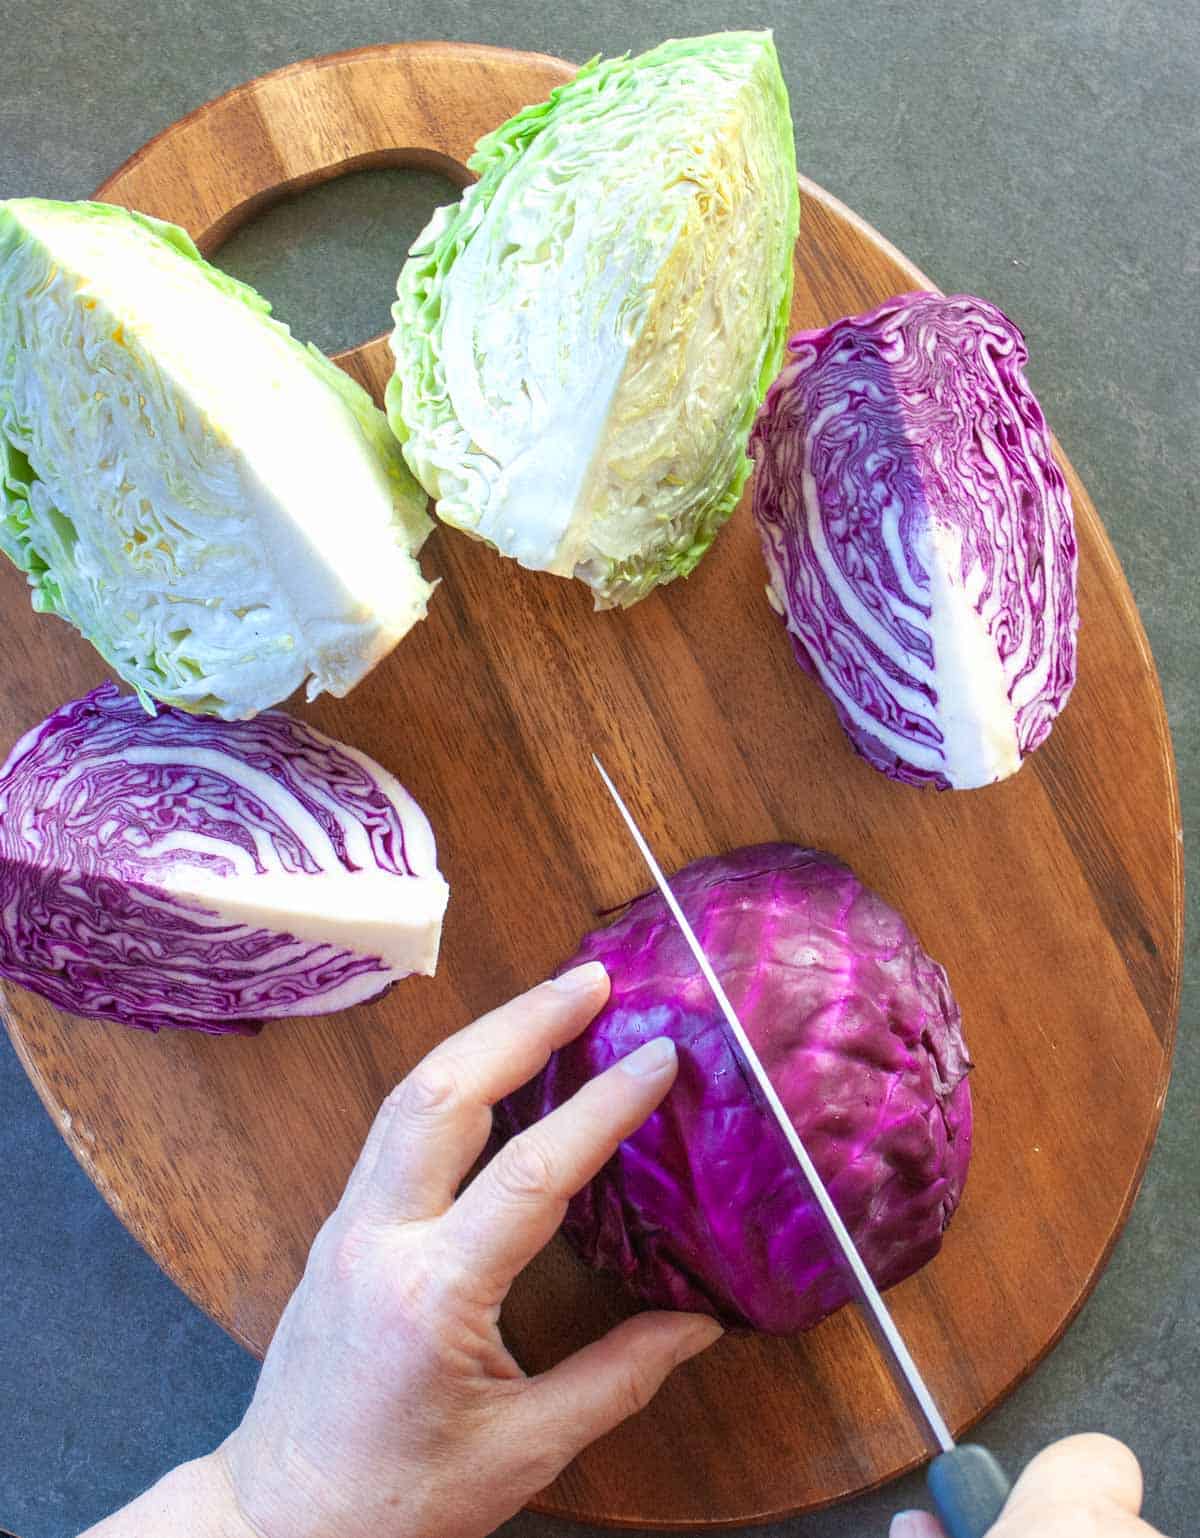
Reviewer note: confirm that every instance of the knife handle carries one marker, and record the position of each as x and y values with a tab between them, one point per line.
969	1489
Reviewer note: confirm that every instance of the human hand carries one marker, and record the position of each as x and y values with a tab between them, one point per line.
1083	1487
388	1403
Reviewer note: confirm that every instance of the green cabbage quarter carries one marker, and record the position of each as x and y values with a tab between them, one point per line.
582	340
219	510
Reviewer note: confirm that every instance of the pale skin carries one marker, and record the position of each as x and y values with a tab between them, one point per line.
388	1404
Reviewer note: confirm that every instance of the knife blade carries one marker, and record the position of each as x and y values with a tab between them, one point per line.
968	1486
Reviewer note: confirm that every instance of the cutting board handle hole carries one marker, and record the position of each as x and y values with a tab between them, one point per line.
325	250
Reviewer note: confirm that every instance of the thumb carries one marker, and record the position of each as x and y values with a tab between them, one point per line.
615	1377
1081	1475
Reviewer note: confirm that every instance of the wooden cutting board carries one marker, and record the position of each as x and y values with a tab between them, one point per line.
1054	900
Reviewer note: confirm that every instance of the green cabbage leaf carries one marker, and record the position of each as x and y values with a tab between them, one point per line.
583	340
217	508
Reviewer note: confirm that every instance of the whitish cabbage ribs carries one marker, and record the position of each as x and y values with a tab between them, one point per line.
582	340
219	510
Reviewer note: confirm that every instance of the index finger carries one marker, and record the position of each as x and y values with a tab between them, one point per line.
514	1207
435	1123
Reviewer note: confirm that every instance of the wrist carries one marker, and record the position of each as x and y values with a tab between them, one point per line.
233	1521
195	1500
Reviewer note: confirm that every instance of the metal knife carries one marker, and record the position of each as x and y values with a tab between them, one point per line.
968	1486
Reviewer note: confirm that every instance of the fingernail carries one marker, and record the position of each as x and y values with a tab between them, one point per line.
912	1524
650	1058
704	1333
581	979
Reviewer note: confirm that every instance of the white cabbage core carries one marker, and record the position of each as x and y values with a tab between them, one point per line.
398	919
368	911
977	718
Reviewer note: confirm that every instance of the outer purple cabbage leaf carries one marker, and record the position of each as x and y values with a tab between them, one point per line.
703	1207
172	871
919	536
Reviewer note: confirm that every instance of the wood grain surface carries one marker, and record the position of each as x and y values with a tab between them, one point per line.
1054	900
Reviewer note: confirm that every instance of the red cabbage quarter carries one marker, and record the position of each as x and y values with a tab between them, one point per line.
172	870
704	1207
919	538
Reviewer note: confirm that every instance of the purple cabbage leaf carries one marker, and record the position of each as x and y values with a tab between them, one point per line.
919	537
172	871
703	1208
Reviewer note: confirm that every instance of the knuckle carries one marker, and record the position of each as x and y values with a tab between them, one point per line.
342	1250
429	1089
632	1392
327	1238
429	1281
524	1169
326	1235
350	1247
422	1304
414	1295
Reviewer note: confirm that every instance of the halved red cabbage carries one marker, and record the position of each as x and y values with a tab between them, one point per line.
919	537
169	870
704	1207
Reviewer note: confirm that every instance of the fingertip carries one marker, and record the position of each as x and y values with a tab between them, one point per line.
673	1336
605	1382
573	999
701	1331
588	977
551	1013
651	1059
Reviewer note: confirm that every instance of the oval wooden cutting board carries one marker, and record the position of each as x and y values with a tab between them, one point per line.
1054	899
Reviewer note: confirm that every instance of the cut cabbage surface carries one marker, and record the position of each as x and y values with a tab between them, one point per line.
582	340
218	509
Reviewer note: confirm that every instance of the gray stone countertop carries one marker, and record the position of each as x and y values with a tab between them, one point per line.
1043	153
